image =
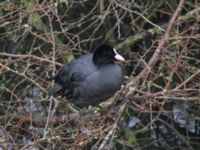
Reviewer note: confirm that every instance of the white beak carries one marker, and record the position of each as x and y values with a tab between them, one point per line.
118	56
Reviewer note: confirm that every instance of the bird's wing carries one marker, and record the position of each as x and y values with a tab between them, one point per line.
68	77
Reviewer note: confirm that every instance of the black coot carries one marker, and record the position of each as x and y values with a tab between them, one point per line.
90	79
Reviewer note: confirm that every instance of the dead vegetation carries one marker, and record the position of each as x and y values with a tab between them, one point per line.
158	106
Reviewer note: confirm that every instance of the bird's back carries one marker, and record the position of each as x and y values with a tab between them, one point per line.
71	74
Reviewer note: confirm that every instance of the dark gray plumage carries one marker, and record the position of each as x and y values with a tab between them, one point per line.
90	79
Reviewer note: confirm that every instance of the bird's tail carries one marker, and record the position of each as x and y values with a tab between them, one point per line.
56	89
